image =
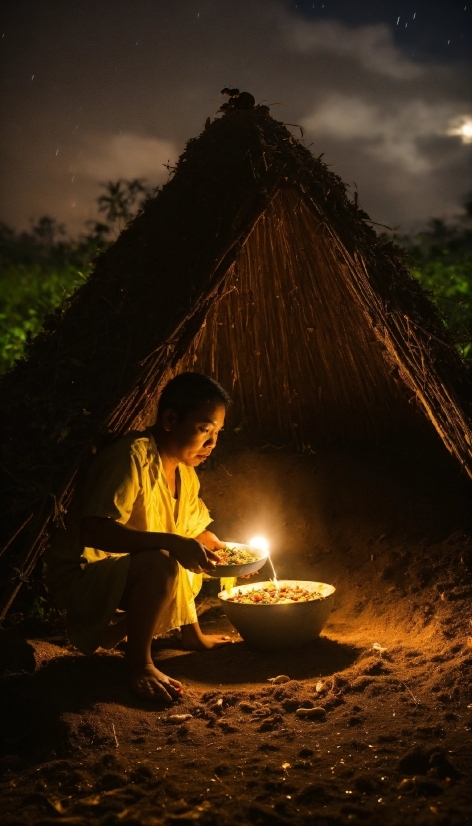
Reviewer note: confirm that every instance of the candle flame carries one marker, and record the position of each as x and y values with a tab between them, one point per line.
259	542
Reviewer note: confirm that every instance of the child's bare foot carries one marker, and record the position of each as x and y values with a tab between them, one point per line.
151	684
193	638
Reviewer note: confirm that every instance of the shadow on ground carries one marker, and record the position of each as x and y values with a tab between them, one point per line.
32	705
237	663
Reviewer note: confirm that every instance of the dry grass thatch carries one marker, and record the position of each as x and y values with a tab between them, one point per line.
254	266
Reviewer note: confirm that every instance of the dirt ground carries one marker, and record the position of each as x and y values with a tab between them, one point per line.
390	672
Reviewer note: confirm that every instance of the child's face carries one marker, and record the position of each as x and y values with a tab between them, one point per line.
191	440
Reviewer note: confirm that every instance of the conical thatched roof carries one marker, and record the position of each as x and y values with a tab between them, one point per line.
254	266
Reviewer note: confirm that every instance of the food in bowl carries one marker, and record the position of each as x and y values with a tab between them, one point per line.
237	560
275	595
272	625
232	555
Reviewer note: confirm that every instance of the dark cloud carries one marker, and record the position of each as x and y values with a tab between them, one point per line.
119	87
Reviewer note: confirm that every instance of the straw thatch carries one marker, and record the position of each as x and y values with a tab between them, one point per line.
254	266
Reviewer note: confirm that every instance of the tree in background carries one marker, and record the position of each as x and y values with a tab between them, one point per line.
122	200
40	269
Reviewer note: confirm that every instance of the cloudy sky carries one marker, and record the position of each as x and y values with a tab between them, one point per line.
101	89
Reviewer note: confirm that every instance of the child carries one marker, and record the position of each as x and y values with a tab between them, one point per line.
136	536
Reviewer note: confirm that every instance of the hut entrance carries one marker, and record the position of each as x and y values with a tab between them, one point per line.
290	341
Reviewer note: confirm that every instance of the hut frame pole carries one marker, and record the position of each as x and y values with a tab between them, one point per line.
35	547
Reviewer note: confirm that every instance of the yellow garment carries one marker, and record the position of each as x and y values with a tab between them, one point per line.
126	482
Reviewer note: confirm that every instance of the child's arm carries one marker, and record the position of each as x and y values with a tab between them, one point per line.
111	536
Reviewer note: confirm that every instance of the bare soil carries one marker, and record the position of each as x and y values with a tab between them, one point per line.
391	670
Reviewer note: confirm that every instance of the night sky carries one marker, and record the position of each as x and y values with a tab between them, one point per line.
100	89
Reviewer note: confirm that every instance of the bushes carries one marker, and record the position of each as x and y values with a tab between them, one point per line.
40	269
27	295
441	258
450	287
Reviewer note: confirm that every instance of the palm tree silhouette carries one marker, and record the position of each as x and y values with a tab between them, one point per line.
121	200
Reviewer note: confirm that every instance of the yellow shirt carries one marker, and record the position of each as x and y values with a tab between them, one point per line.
126	482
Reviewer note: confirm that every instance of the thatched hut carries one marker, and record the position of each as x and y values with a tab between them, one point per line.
252	265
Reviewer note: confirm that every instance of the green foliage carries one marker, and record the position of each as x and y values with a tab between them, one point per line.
441	258
450	287
27	295
40	269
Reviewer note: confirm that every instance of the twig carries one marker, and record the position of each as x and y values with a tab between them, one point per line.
16	534
114	735
227	471
411	694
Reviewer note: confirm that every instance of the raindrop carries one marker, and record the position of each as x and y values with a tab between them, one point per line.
398	20
32	77
57	152
406	25
414	15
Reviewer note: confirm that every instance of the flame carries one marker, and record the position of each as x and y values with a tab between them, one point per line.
259	542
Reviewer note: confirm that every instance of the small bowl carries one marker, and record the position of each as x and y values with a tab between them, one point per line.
278	627
241	570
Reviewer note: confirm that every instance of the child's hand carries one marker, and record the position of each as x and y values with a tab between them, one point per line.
210	541
191	554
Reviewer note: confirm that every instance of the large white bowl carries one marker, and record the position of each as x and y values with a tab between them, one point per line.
278	627
241	570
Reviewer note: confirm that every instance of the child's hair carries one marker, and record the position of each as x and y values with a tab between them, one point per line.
187	391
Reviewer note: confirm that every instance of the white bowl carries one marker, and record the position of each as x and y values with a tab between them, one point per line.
278	627
241	570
